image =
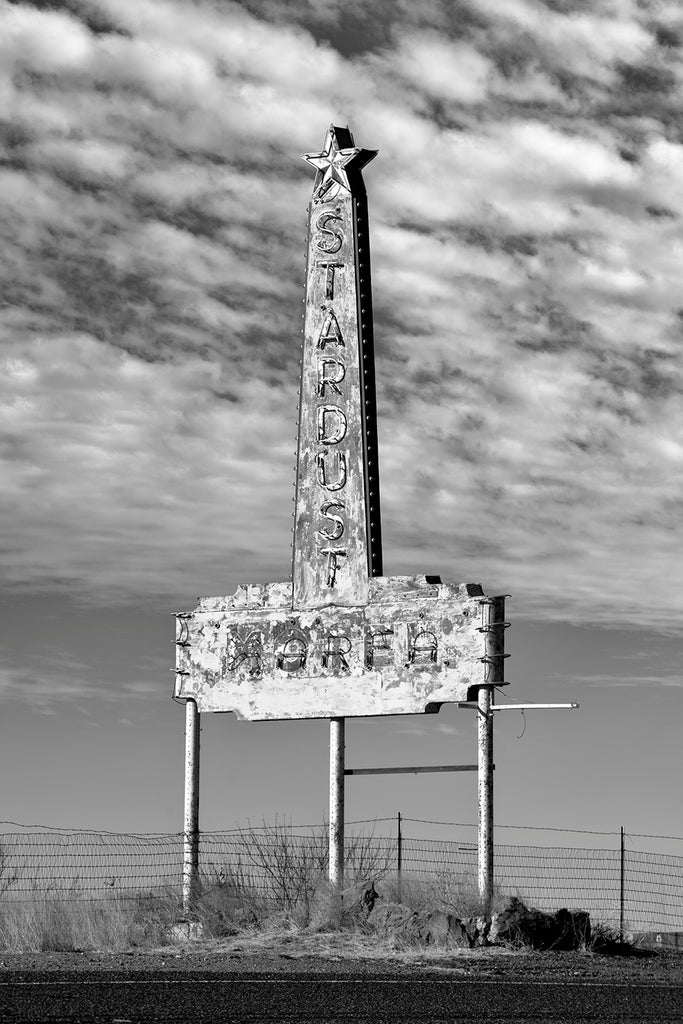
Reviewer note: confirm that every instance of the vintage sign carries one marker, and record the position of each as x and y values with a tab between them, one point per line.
340	639
337	542
415	644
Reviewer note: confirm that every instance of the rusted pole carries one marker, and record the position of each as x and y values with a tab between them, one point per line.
485	796
336	861
191	808
494	632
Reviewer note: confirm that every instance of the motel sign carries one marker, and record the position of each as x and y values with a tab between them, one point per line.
339	639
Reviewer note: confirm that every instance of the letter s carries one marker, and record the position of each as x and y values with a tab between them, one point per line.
339	522
336	238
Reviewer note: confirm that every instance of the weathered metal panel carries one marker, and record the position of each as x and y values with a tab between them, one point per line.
333	530
414	644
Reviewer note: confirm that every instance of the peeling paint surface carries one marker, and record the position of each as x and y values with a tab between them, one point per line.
337	501
414	644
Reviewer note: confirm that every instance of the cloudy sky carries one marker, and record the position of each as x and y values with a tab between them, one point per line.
525	213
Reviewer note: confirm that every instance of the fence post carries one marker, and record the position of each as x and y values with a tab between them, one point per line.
399	858
622	865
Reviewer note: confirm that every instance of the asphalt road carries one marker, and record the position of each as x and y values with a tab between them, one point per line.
397	998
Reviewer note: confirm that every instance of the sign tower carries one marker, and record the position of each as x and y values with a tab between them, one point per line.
339	639
337	534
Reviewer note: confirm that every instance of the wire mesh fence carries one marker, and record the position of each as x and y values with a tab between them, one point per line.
281	864
86	865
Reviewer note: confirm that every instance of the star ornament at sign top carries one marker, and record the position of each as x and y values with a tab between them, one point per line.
334	162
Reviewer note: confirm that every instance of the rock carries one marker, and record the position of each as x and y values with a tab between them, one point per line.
515	925
187	931
441	929
392	919
519	925
573	927
423	927
435	928
477	930
359	900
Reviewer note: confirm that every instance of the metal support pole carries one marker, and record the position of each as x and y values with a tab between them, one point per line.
336	867
485	794
494	632
191	808
399	859
622	859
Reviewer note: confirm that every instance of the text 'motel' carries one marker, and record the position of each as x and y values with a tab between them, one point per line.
340	639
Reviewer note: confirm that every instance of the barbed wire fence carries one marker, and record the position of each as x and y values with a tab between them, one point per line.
637	889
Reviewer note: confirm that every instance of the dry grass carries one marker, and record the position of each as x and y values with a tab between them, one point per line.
280	880
286	871
351	944
454	894
61	925
275	891
607	940
317	921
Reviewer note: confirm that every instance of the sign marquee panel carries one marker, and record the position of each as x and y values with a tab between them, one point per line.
339	640
413	646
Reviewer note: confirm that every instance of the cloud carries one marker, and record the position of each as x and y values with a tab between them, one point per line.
583	44
44	689
448	70
655	681
524	209
52	41
107	453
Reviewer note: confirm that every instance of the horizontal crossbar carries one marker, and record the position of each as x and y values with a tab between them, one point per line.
415	770
520	707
